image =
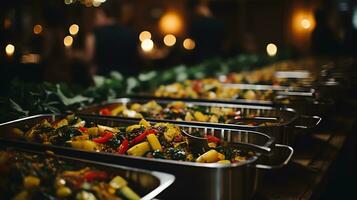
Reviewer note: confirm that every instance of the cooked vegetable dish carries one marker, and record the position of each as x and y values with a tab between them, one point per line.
210	89
161	140
182	111
33	176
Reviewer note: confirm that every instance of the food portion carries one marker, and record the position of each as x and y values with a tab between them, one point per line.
210	89
28	176
161	140
181	111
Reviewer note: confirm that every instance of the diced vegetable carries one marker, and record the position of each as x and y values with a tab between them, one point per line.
63	192
212	138
123	146
104	138
132	127
105	111
102	129
31	182
171	133
118	110
93	131
95	175
60	123
129	193
144	123
85	144
188	117
209	157
200	116
118	182
139	149
142	136
154	142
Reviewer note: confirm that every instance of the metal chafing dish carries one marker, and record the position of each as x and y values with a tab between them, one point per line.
148	184
289	126
193	180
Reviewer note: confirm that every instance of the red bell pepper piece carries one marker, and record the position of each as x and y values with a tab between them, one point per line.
95	175
211	138
104	138
124	146
197	86
105	111
142	136
83	129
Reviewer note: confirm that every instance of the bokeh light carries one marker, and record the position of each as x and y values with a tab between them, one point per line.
144	35
68	41
272	49
10	49
147	45
305	23
189	44
169	40
37	29
171	23
74	29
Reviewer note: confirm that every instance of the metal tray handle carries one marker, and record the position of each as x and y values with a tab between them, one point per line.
313	121
284	162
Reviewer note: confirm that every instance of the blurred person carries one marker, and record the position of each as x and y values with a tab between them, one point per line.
111	46
206	30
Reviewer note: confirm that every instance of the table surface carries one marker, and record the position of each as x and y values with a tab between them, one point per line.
307	175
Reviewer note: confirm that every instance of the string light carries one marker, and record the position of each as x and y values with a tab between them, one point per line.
272	49
68	41
169	40
144	35
10	50
73	29
189	44
147	45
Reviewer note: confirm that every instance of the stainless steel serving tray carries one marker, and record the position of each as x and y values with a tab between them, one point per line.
148	184
284	131
193	180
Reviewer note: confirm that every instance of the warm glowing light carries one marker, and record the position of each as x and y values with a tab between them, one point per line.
169	40
10	49
73	29
144	35
305	23
67	2
37	29
68	41
189	44
147	45
171	23
272	49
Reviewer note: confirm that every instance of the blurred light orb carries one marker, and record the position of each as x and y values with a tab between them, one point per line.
305	23
189	44
68	41
74	29
37	29
144	35
170	40
147	45
10	49
171	23
272	49
67	2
